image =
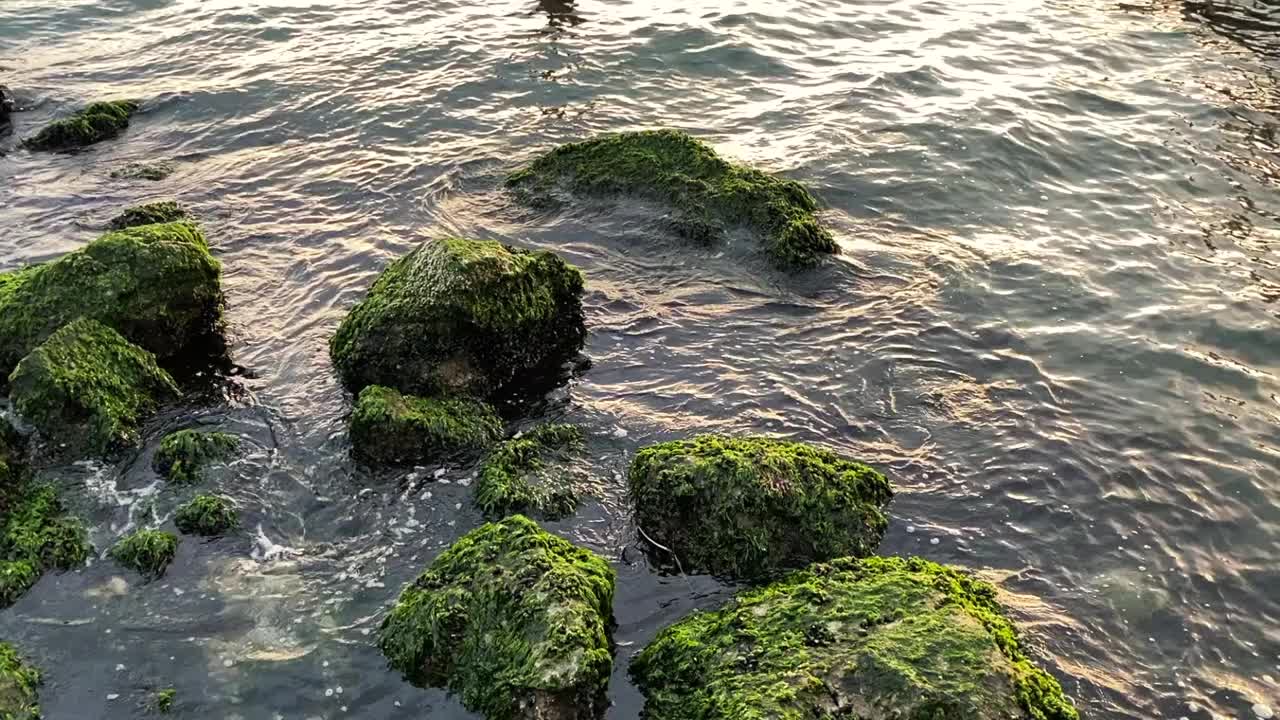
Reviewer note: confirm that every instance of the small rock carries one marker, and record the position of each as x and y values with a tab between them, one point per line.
934	541
1263	711
113	696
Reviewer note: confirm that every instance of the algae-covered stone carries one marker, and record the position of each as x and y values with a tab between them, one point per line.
88	387
875	639
389	427
515	477
513	620
184	454
207	515
707	193
748	507
97	122
18	685
467	317
163	700
151	171
161	211
157	285
148	552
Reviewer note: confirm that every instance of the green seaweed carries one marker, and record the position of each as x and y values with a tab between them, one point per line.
163	700
157	285
88	387
752	506
152	213
36	535
207	515
150	171
510	618
464	317
510	479
183	455
18	686
148	552
875	639
95	123
707	192
388	427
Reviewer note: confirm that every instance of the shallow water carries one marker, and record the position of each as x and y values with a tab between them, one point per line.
1054	323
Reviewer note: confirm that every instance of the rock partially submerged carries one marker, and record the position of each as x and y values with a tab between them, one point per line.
750	507
147	552
151	171
389	427
513	620
156	284
8	104
207	515
162	211
515	479
95	123
184	454
88	387
462	317
18	684
707	193
877	639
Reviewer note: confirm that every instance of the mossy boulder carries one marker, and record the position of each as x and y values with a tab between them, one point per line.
749	507
156	284
184	454
515	478
707	193
95	123
878	639
153	213
389	427
18	685
513	620
147	552
463	317
88	387
151	171
207	515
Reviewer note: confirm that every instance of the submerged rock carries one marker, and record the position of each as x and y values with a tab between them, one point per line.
513	620
8	104
88	387
148	552
152	171
468	317
157	285
707	193
749	507
877	639
162	211
389	427
18	684
95	123
512	479
184	454
207	515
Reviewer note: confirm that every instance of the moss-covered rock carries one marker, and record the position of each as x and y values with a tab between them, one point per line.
18	685
515	477
877	638
152	213
95	123
184	454
749	507
163	700
207	515
147	552
388	427
513	620
468	317
88	387
707	193
157	285
151	171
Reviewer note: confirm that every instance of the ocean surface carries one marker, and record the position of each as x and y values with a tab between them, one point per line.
1055	323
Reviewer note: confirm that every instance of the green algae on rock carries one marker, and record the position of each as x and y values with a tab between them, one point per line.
207	515
512	479
148	552
876	638
18	685
752	506
88	387
157	285
707	193
184	454
163	700
466	317
388	427
95	123
150	171
152	213
37	536
513	620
